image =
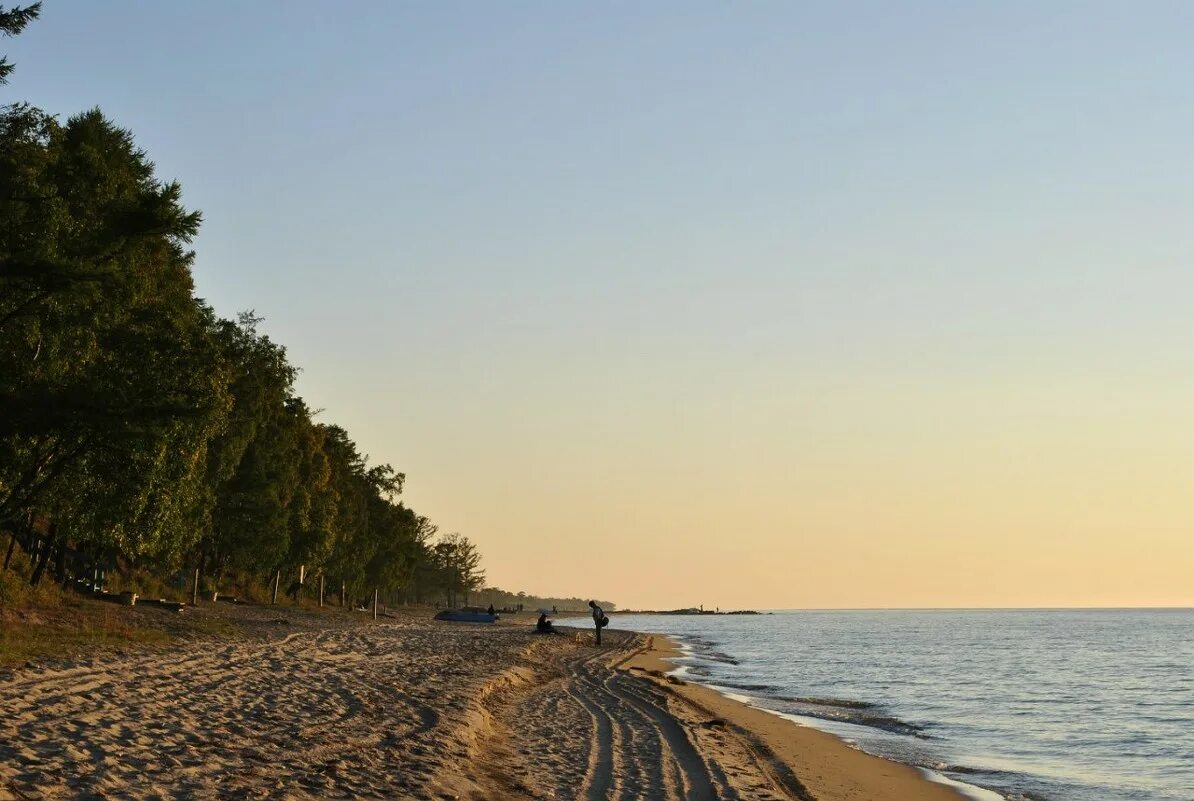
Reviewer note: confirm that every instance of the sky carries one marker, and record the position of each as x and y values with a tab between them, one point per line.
770	305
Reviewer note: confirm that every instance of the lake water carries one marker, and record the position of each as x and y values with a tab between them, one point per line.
1058	705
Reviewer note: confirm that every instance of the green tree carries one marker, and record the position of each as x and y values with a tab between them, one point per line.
313	504
252	465
12	22
108	394
459	567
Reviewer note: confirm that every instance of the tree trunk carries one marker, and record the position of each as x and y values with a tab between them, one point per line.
199	568
44	555
60	563
24	535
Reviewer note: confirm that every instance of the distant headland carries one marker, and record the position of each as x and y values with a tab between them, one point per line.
694	610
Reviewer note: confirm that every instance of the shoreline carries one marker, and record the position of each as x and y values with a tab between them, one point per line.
828	768
310	704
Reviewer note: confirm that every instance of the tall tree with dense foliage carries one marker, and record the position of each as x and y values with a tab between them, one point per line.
253	464
459	564
108	389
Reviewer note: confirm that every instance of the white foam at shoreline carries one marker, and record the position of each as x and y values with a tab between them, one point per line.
968	790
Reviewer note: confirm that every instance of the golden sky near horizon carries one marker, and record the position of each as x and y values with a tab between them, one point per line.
920	490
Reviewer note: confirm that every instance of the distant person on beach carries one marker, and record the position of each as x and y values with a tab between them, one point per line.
599	619
490	610
543	625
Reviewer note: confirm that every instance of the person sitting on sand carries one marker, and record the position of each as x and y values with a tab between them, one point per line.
543	626
599	619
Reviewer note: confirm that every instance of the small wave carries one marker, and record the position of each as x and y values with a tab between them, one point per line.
888	723
748	687
707	649
771	692
844	710
844	703
996	776
701	642
852	713
965	788
966	770
718	656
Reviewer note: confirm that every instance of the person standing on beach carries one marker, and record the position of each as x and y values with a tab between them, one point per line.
598	618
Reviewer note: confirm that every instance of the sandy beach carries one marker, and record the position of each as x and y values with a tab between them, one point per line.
306	705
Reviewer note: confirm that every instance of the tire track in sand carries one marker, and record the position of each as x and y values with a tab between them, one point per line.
595	733
599	775
644	755
671	742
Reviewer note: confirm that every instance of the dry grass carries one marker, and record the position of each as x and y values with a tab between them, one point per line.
147	585
49	622
15	592
217	627
35	635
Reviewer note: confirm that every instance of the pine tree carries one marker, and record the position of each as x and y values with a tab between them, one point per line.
12	22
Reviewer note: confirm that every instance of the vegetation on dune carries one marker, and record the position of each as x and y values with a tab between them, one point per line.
138	428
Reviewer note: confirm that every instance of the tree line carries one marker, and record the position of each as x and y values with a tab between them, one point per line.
139	427
503	599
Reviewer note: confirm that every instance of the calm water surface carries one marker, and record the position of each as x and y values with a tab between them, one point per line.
1091	705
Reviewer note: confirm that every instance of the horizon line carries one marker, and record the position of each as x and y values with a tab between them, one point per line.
931	609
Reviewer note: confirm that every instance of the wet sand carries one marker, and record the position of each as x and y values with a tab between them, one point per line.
337	706
826	768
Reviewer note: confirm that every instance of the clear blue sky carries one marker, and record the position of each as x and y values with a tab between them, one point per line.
650	272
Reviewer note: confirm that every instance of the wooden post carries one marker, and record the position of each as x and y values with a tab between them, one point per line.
277	581
321	591
195	589
375	604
